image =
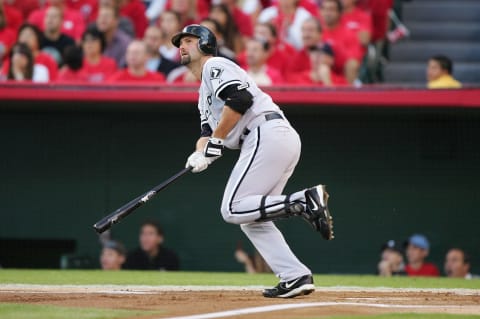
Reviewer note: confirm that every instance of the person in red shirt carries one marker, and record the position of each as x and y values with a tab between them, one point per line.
136	71
337	35
417	251
24	6
135	10
7	36
358	21
259	71
279	52
243	22
13	16
300	61
32	37
233	39
87	8
96	66
320	72
73	21
72	69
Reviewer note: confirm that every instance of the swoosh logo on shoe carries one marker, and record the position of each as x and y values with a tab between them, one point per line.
289	285
315	206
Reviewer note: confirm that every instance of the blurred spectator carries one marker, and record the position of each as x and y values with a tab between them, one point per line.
439	73
113	255
136	71
155	61
96	66
216	28
321	59
279	52
314	63
13	18
391	263
25	7
288	17
186	9
135	10
154	9
169	25
87	8
116	40
152	254
73	23
358	21
54	41
124	23
72	68
7	36
21	66
253	264
242	20
231	34
457	264
45	68
417	251
346	43
261	73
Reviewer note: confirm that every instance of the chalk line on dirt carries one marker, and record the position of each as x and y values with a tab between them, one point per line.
252	310
146	289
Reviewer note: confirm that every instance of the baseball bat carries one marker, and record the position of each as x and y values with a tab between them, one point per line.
113	218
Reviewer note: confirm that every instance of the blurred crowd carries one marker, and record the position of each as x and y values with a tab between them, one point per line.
316	42
410	259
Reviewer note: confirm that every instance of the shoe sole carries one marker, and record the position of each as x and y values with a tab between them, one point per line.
303	290
327	217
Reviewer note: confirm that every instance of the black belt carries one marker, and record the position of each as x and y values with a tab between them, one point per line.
268	117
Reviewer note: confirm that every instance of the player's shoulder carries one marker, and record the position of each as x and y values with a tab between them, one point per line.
216	66
219	62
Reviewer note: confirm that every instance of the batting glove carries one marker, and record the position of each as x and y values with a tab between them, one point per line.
198	162
214	148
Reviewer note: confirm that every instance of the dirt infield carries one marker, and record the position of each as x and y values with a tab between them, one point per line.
235	302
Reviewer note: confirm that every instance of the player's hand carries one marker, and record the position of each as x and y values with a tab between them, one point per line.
198	162
214	148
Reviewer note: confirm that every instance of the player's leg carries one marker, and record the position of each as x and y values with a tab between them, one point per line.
269	154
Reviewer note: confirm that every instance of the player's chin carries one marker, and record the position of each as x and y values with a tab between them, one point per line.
185	59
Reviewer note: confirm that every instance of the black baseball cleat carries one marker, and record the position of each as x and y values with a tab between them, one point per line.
317	213
289	289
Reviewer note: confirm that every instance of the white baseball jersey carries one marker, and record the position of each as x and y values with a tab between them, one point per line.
217	74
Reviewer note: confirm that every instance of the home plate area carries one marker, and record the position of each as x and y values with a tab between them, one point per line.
246	302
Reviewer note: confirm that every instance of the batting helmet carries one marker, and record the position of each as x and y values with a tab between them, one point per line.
207	42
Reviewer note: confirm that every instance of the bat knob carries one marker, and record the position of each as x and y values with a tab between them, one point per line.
101	227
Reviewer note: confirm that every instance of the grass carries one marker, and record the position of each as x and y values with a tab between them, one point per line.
98	277
406	315
25	311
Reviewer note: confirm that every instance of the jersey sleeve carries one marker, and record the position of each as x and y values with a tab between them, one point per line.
221	75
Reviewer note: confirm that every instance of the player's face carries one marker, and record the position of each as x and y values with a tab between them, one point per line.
189	50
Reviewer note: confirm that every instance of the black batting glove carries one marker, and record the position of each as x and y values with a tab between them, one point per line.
213	148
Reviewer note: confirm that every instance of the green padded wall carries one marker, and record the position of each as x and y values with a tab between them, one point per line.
390	171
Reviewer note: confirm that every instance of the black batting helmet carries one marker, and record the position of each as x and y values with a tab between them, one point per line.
207	42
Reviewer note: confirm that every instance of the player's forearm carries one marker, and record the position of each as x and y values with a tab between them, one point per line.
201	143
228	120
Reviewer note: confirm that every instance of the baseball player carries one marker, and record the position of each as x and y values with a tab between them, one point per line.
236	114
